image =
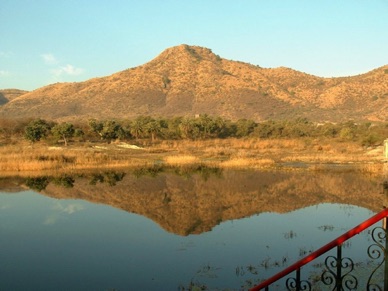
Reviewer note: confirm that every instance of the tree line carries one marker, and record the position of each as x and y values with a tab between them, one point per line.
193	128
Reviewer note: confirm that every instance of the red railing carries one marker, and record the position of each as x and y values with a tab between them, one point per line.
335	243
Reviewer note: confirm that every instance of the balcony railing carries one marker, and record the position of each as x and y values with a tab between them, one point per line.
338	269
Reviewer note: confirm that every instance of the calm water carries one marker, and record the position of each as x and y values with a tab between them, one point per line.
51	241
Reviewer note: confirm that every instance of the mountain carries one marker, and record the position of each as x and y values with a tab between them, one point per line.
190	80
10	94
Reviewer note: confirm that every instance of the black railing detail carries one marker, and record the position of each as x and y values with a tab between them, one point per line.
377	251
338	272
296	284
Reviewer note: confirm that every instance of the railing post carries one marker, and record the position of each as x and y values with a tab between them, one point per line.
298	279
339	268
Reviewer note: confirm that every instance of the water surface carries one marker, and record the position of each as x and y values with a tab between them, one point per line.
171	232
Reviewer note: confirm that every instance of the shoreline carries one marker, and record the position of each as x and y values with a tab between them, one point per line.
282	154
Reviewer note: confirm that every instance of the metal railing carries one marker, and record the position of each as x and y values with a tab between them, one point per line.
334	274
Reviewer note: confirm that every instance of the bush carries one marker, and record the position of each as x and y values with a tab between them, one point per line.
37	129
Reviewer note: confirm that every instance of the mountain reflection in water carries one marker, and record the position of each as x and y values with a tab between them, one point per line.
194	203
266	220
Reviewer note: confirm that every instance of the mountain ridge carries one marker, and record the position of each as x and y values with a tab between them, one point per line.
189	80
7	95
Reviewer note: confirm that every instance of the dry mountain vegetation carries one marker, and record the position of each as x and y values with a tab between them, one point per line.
190	80
7	95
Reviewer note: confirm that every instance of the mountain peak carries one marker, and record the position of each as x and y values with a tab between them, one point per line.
187	80
195	53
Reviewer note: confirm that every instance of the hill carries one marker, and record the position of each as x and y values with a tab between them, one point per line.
10	94
190	80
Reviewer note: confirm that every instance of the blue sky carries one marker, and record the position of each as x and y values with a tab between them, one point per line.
48	41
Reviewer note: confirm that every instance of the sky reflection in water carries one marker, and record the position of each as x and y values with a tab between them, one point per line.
51	244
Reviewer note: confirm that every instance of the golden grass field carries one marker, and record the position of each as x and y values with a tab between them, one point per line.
24	158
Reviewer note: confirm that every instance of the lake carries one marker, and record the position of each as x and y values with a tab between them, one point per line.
182	230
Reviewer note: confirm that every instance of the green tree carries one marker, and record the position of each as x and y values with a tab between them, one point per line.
96	126
63	130
186	126
299	127
153	128
137	128
78	132
227	129
36	130
220	128
206	125
112	130
190	128
170	128
108	129
244	127
269	129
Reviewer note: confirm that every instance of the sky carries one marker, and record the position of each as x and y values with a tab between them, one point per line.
49	41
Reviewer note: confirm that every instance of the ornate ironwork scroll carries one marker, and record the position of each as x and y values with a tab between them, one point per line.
338	272
292	284
377	251
297	284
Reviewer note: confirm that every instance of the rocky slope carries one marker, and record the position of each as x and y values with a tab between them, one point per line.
10	94
190	80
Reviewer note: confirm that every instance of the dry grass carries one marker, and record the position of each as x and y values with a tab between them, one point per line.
21	158
229	153
180	160
247	163
373	168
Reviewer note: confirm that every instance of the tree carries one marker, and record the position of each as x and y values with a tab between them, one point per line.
189	128
209	126
170	128
96	126
244	127
36	130
111	130
137	128
107	130
298	127
206	124
220	128
269	129
153	128
227	129
329	130
63	130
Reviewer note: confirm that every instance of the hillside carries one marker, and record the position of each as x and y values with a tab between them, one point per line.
10	94
189	80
